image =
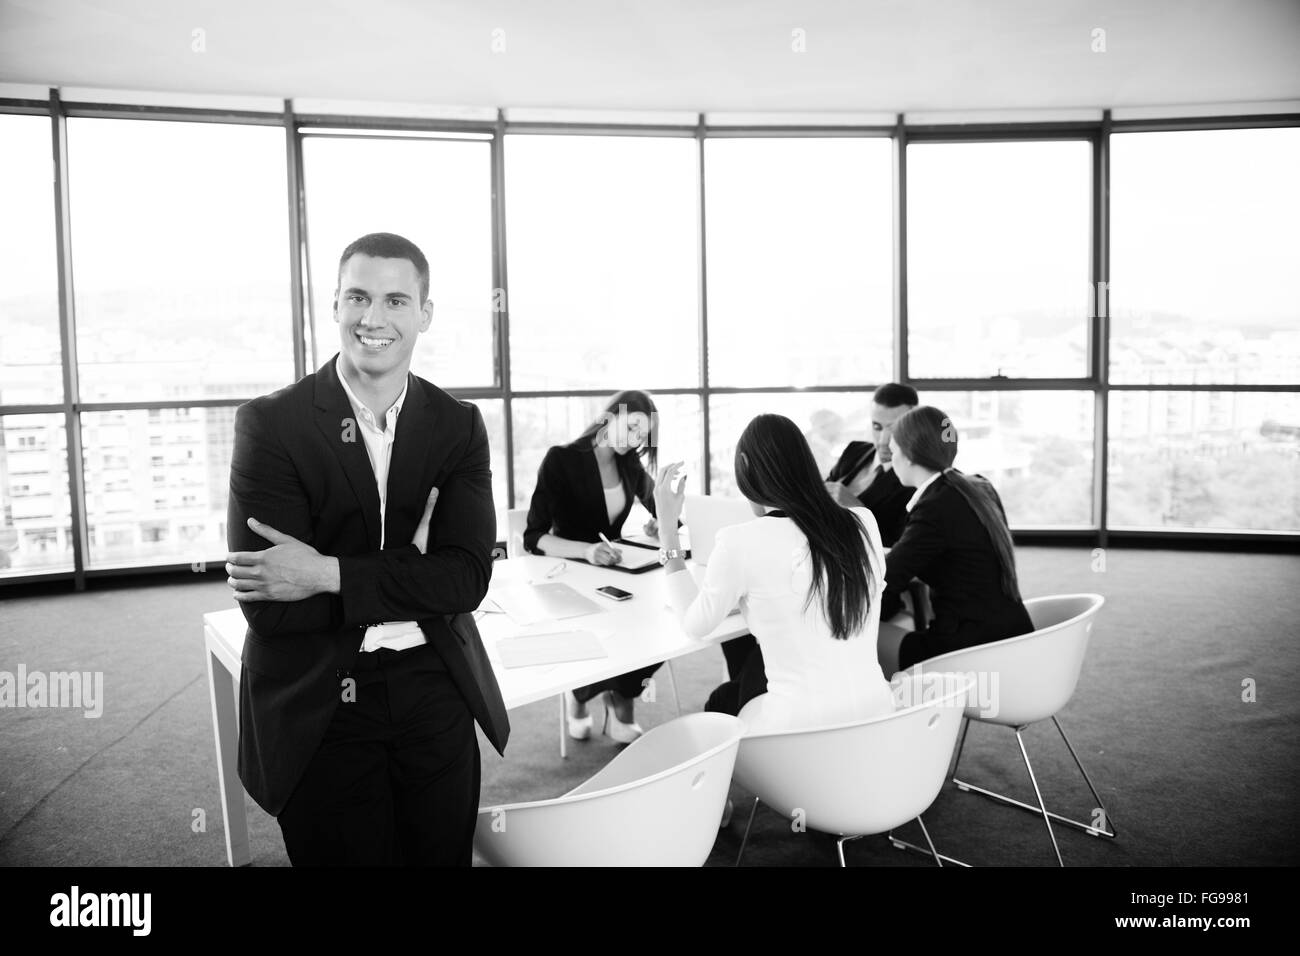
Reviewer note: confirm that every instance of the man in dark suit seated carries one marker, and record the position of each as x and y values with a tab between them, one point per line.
864	475
361	528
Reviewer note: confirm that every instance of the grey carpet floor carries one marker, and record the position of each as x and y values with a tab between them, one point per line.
1192	773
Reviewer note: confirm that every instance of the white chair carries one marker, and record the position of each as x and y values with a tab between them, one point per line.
516	522
1025	679
657	803
860	778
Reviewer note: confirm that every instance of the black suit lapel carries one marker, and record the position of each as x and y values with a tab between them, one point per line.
417	438
593	490
337	422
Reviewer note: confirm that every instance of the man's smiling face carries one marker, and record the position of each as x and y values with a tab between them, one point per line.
380	312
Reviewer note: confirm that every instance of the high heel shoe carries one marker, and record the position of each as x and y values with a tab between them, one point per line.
620	732
579	727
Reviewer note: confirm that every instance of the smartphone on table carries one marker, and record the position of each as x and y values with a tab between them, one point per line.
613	593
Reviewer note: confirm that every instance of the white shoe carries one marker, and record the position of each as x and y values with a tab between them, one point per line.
579	727
620	732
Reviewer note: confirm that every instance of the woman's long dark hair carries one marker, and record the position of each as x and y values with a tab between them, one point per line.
637	469
929	438
775	468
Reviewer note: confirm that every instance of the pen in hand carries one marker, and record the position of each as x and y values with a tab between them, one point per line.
618	555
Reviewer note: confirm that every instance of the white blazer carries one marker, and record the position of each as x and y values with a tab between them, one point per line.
812	679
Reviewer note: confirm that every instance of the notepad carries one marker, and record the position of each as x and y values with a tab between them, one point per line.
634	559
558	647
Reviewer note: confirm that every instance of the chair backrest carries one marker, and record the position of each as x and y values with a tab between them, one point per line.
706	515
516	522
865	777
657	803
1027	678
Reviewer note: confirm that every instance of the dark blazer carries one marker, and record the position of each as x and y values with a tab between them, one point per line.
885	497
300	466
945	546
569	499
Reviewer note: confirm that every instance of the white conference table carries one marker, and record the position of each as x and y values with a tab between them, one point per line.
634	633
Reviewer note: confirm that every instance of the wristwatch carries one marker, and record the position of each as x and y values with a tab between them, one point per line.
667	554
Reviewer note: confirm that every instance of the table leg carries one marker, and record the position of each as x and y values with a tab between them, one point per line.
225	721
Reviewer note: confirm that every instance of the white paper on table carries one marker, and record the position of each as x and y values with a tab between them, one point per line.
557	647
533	603
636	558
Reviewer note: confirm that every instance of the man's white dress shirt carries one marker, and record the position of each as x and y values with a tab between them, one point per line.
394	635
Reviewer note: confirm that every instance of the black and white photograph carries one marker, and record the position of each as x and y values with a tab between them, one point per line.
749	434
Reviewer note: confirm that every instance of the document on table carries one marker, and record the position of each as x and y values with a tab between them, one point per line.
532	603
557	647
634	559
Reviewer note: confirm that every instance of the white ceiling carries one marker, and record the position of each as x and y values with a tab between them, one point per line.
724	55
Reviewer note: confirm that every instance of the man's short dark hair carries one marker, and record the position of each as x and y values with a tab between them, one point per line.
386	245
892	395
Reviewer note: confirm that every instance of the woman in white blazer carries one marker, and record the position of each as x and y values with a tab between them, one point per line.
807	575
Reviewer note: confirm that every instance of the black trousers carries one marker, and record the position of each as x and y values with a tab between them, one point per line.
748	680
1009	620
627	685
395	780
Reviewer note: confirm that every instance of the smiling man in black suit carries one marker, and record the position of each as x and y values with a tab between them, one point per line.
864	477
361	526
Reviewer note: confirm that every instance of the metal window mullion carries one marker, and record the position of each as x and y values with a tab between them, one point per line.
293	176
1100	342
900	252
703	314
501	301
68	344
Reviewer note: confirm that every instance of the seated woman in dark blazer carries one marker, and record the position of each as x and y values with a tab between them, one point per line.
956	540
585	489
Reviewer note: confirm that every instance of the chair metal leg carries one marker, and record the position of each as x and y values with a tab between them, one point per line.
677	698
928	842
564	730
931	852
745	839
1105	814
961	744
1047	819
1088	828
839	848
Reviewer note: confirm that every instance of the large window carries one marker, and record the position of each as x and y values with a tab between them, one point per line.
603	243
180	254
181	276
438	194
1205	254
998	259
1224	460
156	484
35	512
30	367
800	261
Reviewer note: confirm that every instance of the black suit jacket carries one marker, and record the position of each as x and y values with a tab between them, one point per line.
300	465
885	497
945	545
569	499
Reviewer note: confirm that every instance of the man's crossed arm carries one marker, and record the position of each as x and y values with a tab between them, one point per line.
291	587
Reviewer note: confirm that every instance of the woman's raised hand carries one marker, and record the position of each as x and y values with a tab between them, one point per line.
668	501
